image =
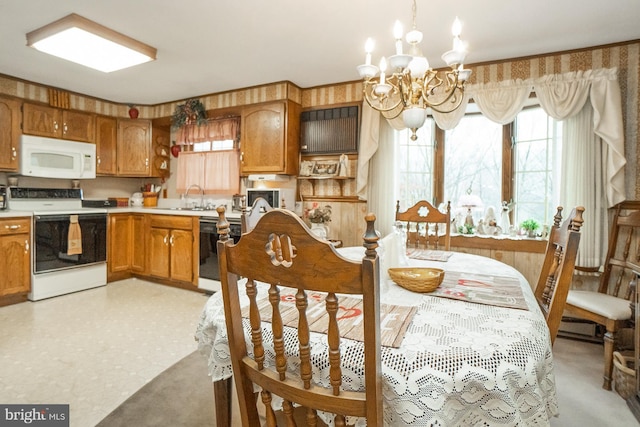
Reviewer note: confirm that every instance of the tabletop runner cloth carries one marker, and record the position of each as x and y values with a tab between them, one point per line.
460	363
394	319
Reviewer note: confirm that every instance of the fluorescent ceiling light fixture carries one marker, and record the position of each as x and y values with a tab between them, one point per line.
85	42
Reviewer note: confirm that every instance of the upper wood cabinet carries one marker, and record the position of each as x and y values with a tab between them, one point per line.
52	122
270	138
9	134
134	147
106	139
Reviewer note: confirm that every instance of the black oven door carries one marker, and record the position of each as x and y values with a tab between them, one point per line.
51	241
208	247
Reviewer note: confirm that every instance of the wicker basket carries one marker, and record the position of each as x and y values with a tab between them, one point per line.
417	279
624	374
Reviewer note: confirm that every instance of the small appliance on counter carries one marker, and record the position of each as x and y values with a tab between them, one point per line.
273	196
3	197
136	200
99	203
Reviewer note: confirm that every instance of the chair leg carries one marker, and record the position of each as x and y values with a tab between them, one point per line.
609	346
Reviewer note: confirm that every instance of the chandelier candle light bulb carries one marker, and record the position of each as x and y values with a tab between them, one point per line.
397	33
368	48
383	69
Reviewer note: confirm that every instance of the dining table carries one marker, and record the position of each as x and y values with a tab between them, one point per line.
476	352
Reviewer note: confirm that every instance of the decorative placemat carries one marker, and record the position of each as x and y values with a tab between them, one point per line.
486	289
394	319
429	254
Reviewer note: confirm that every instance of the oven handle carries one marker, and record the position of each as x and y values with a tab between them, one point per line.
45	218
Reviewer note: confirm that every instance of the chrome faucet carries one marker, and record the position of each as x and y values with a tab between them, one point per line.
186	194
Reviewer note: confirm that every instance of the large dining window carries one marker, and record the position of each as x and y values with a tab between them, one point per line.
517	163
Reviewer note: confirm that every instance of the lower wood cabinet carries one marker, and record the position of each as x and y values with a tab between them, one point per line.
127	243
163	248
172	248
15	261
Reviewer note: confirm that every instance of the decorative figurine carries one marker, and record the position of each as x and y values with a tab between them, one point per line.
505	221
343	169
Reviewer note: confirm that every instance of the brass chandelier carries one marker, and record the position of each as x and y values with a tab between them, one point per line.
413	86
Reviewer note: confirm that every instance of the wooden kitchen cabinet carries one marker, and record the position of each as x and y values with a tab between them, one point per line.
270	138
172	248
52	122
9	134
139	233
106	139
126	245
15	262
134	147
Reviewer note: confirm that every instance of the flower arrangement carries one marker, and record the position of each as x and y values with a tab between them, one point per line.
319	215
192	111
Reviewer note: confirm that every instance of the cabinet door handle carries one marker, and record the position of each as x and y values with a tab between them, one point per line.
14	153
64	128
26	246
55	125
242	157
13	227
165	239
171	240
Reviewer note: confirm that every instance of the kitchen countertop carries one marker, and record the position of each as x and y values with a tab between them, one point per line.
9	213
174	211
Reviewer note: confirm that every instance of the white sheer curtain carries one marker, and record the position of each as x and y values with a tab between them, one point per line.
381	198
583	183
561	96
216	172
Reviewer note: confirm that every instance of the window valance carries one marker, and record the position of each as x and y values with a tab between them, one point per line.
561	96
213	130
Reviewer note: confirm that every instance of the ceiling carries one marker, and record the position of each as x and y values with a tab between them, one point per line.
209	46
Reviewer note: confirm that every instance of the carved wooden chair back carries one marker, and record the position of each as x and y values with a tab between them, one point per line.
281	253
558	266
610	306
426	226
250	216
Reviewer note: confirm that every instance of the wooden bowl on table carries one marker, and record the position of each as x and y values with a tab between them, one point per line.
417	279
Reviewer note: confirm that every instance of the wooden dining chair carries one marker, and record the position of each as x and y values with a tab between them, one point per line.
426	226
282	252
250	216
558	266
610	305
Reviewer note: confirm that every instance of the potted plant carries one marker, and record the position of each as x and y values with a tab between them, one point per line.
191	112
530	226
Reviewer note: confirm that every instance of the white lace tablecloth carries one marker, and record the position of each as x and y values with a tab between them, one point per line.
460	363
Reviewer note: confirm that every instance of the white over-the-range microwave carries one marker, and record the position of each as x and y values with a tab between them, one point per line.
274	196
57	158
